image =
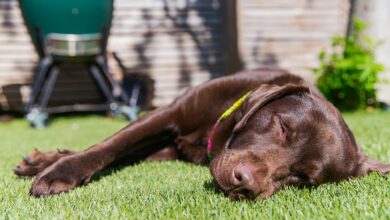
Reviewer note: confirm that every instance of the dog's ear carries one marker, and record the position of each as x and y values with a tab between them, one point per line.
263	95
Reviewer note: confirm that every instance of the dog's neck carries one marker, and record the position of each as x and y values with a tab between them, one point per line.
225	115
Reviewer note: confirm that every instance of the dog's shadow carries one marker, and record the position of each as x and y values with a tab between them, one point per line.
113	168
209	185
106	172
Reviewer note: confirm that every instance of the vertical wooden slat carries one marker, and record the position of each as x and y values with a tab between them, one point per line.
376	13
289	34
182	43
178	43
230	21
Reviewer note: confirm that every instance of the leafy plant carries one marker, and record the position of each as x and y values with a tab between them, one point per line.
347	76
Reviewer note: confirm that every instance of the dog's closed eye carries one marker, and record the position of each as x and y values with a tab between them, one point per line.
282	130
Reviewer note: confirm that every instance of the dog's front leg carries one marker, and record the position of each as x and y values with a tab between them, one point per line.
77	169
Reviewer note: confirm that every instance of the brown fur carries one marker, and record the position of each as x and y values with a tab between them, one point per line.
285	133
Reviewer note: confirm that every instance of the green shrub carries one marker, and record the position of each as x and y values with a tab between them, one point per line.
347	76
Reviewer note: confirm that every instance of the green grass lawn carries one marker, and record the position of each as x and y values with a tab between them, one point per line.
180	190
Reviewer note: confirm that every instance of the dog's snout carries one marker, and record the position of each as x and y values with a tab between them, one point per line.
241	175
244	182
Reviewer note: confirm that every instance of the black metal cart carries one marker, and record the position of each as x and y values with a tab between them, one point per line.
72	31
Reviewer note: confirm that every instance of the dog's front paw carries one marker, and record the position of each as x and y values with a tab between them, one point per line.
60	177
37	161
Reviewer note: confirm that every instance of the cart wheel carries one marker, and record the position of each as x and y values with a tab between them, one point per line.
37	118
130	113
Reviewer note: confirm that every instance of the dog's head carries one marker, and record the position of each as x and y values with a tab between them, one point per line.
283	135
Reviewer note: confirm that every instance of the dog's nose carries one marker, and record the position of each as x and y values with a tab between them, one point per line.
244	182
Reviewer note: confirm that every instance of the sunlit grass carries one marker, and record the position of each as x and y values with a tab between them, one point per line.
177	189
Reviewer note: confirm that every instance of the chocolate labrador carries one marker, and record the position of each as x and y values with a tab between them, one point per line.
259	130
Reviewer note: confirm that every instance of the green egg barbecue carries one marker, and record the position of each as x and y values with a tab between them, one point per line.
71	31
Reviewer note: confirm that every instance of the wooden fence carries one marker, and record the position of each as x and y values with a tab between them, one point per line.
181	43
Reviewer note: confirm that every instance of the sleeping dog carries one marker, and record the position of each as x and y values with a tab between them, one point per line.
258	130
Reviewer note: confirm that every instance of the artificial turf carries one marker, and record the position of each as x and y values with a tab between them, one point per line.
179	190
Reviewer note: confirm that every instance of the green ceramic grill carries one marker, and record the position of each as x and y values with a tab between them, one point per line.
68	27
70	31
